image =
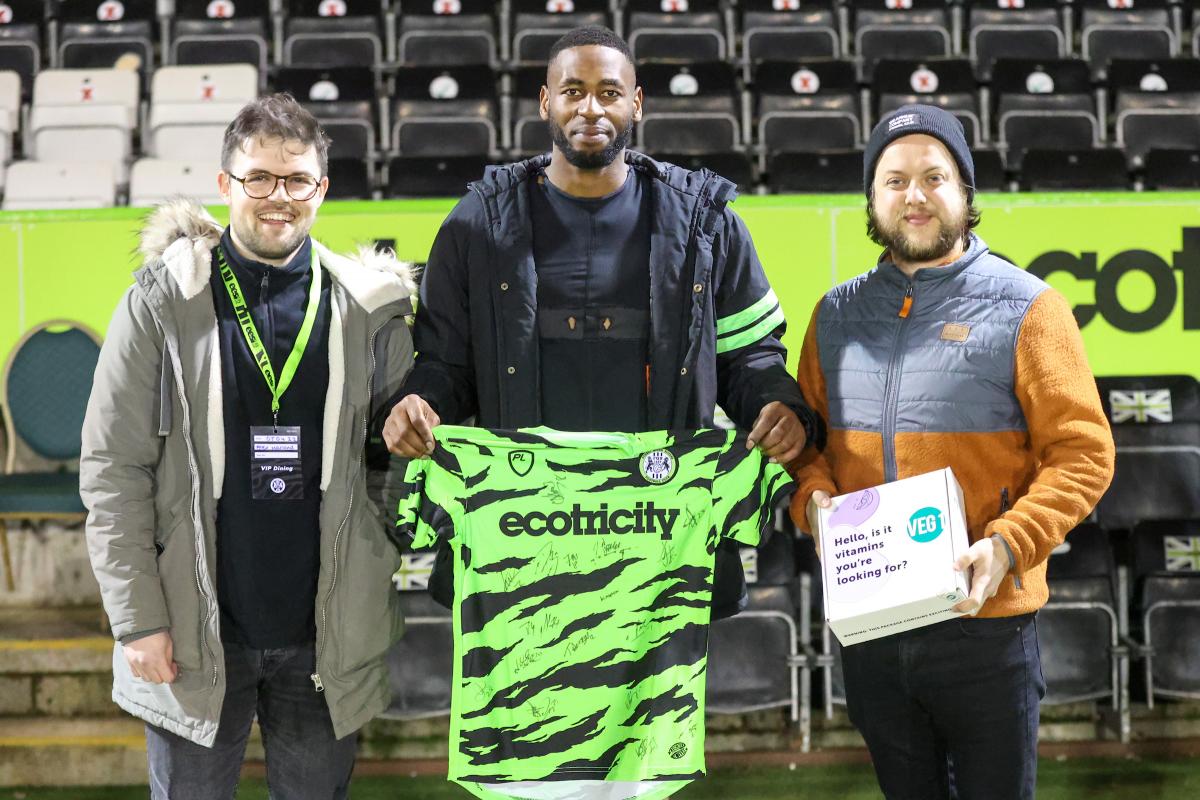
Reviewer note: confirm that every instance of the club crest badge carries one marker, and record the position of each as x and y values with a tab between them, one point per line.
658	466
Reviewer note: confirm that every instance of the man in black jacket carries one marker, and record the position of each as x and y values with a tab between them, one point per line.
597	289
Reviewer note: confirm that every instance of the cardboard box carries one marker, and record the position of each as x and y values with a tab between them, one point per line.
887	557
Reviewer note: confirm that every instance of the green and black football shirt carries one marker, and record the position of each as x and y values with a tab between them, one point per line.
583	574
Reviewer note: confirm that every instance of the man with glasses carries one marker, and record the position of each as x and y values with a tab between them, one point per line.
241	561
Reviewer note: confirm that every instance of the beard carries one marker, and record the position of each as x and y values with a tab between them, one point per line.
890	234
272	249
597	160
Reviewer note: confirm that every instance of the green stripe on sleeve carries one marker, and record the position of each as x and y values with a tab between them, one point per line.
743	318
750	335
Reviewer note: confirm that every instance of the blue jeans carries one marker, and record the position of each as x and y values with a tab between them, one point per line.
950	710
304	760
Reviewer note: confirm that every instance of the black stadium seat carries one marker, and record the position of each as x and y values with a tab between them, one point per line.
537	24
735	166
337	33
421	664
806	106
689	108
1156	426
1172	169
1157	105
1109	29
103	33
22	23
1092	170
676	30
787	30
438	176
826	171
446	33
444	111
221	32
1166	575
1043	104
899	29
1029	29
530	133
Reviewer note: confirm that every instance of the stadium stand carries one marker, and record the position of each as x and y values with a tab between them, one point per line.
828	171
99	106
46	384
1109	30
677	30
421	664
1166	569
190	107
444	111
21	34
447	33
438	176
805	107
690	108
334	33
529	132
945	82
220	32
536	24
1093	170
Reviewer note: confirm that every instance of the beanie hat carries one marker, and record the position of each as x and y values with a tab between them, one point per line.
930	120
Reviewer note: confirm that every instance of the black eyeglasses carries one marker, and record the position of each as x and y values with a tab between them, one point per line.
261	185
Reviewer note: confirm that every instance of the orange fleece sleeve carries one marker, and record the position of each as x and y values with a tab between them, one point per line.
813	470
1069	435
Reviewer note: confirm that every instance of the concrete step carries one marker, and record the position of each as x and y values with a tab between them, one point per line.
55	662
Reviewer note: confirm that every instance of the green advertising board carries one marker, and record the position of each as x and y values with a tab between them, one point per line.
1129	263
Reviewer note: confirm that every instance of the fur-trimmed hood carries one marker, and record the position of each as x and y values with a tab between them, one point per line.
181	235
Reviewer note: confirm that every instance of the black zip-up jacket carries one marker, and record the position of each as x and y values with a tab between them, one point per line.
476	331
715	325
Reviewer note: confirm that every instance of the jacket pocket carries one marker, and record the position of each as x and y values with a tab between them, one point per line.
177	574
367	607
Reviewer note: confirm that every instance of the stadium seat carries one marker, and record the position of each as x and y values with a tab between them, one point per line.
333	33
190	107
1043	104
767	627
1172	169
530	133
221	32
1083	656
32	185
1111	29
446	33
1166	575
46	384
1029	29
808	173
787	30
421	664
676	30
343	99
1157	106
1156	426
1092	170
806	107
537	24
84	115
153	181
689	108
96	34
945	82
21	26
444	176
444	112
989	171
899	29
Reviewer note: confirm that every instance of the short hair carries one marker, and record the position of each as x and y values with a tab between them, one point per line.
275	116
587	36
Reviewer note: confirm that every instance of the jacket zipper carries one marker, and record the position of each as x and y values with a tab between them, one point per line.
318	684
891	390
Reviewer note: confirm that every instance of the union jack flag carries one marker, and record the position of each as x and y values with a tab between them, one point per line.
1141	405
414	572
1182	553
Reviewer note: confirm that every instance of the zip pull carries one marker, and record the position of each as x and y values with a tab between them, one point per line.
907	305
1003	500
316	679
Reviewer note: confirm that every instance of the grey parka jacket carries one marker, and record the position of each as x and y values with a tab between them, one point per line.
153	461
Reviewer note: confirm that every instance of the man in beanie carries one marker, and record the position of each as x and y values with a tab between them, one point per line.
944	355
